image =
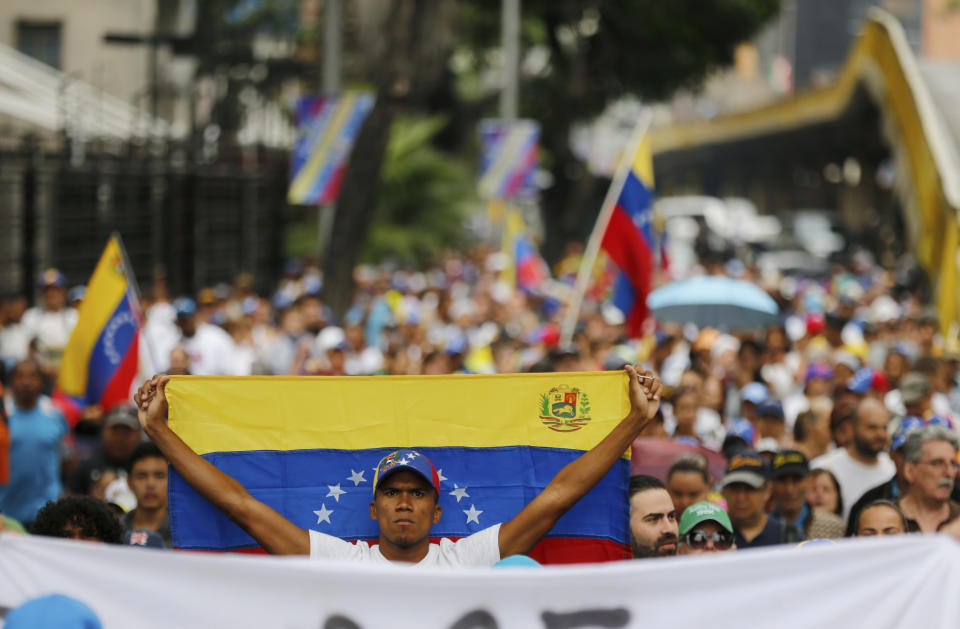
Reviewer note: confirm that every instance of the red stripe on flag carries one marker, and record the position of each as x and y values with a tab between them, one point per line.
558	550
117	390
628	249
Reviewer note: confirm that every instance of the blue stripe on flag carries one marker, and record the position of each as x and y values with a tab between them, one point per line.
110	348
637	200
495	483
623	293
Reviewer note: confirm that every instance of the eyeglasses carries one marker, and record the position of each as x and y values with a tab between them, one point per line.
722	540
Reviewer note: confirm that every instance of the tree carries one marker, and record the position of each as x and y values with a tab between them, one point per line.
408	48
424	197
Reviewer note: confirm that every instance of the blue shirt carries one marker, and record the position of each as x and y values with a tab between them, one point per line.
769	536
35	436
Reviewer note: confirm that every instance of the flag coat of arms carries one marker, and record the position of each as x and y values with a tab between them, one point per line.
308	447
101	358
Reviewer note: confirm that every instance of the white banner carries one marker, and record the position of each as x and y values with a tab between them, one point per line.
911	581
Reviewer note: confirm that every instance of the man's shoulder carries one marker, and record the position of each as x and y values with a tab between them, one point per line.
824	461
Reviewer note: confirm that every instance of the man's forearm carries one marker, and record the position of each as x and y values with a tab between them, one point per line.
221	490
579	476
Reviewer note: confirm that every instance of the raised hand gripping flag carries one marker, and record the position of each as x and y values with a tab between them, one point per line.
308	447
101	358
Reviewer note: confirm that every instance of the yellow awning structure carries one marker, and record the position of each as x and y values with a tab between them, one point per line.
881	61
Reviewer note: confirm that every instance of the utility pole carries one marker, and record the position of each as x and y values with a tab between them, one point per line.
332	45
332	19
510	44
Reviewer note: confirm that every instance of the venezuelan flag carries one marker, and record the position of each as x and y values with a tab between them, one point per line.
628	240
527	269
308	448
100	360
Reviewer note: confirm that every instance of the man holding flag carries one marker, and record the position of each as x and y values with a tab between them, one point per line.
406	492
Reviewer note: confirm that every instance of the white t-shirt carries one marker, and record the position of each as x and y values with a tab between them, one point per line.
855	478
51	328
480	549
211	351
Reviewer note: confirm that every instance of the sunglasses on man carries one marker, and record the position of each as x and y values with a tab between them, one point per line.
722	540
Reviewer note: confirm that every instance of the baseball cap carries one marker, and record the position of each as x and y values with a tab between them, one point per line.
904	426
767	444
861	381
754	392
185	307
789	463
52	610
144	538
700	512
123	415
914	387
746	467
821	371
770	407
406	459
743	428
52	277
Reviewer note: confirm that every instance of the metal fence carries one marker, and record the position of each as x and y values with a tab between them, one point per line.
201	220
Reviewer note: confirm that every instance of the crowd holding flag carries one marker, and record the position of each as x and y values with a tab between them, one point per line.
101	359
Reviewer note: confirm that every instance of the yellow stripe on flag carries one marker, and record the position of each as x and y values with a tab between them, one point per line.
222	414
106	288
642	165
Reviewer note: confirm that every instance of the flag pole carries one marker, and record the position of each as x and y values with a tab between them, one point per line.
603	219
133	290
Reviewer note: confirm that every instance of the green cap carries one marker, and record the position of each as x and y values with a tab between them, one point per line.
702	512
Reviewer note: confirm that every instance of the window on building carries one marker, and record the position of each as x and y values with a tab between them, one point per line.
40	40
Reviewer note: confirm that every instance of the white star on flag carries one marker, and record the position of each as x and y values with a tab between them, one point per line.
335	492
356	477
323	515
403	462
459	492
473	514
412	454
440	476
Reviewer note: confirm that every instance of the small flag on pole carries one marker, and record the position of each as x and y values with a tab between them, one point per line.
508	159
100	361
628	239
622	239
527	270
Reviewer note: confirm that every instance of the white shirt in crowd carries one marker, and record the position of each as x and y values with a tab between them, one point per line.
14	342
51	328
480	549
855	478
211	352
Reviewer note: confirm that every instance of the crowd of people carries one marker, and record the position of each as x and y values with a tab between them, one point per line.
839	421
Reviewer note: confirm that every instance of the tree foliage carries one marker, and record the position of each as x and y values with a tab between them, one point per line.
424	197
595	51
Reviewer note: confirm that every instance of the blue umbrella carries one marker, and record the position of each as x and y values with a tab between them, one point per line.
715	301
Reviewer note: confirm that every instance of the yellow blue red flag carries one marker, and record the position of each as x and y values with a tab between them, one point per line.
628	240
308	447
101	358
